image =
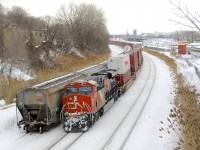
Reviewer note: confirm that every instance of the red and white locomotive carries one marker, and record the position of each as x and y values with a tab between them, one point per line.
85	101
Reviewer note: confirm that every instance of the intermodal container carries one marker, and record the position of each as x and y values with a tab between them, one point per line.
121	63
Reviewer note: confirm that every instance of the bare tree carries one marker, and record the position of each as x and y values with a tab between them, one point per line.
14	52
18	16
2	17
33	53
87	26
50	28
188	19
2	14
62	36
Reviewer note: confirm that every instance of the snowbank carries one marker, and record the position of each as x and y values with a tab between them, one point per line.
189	73
15	73
2	102
8	118
77	52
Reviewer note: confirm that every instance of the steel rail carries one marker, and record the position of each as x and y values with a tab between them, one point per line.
120	127
68	136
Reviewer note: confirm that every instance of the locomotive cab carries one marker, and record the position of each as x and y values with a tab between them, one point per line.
81	104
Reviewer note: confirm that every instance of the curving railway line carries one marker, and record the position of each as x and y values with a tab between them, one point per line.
112	132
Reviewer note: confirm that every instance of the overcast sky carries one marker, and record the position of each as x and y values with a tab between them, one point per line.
122	15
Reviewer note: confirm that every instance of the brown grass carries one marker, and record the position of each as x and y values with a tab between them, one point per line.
9	88
69	63
186	112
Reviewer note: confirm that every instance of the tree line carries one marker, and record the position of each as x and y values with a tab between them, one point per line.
82	26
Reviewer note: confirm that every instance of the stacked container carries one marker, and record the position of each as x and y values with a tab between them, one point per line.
133	55
121	63
140	57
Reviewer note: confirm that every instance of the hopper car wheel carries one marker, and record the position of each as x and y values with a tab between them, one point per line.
115	97
119	93
41	130
26	129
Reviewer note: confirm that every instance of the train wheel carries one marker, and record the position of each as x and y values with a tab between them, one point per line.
66	129
41	129
26	128
118	94
97	116
85	128
115	97
101	111
94	119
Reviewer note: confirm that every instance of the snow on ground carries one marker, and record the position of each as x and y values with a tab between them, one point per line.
160	43
146	134
19	75
195	62
2	102
196	44
15	73
187	70
8	118
189	73
77	52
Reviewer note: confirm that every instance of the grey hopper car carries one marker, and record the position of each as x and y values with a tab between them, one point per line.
39	108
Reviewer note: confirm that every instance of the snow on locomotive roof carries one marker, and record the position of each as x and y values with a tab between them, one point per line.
92	82
84	81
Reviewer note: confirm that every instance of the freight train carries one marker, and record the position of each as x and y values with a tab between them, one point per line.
38	107
85	101
123	44
80	98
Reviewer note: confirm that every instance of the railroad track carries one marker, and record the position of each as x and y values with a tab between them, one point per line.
121	130
196	54
66	141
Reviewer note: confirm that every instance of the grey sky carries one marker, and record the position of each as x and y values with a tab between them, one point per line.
122	15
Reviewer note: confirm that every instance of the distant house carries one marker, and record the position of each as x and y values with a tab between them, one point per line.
40	35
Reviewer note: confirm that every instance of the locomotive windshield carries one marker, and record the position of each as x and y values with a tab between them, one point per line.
86	90
70	90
